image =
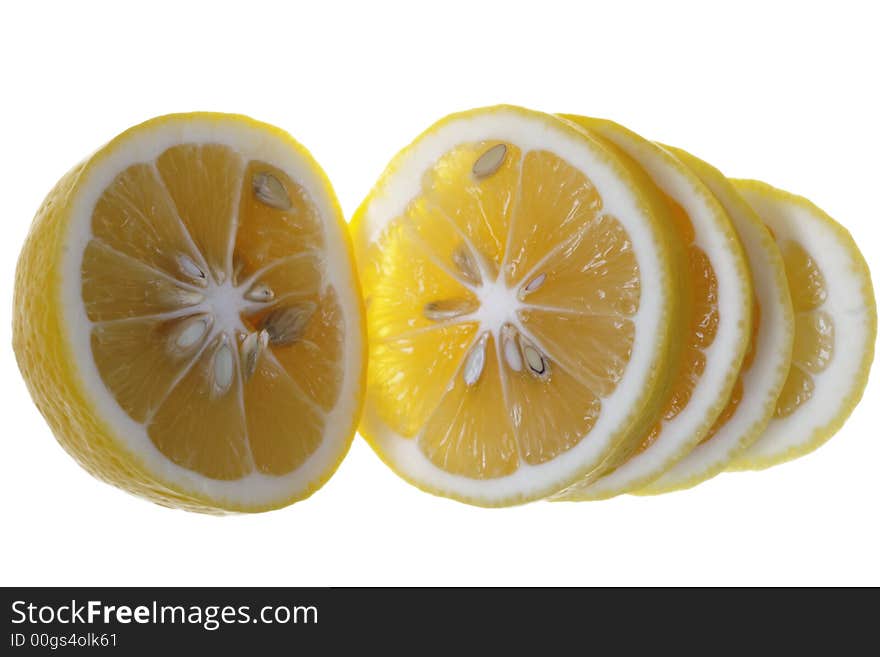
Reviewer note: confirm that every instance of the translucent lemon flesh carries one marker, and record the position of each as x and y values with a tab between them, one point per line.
188	239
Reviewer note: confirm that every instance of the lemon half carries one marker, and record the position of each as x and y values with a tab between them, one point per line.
188	318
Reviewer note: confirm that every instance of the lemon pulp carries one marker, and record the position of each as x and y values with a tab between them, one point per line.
700	307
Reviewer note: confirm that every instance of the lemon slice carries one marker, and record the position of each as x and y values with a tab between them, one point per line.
767	360
518	288
835	326
188	318
718	288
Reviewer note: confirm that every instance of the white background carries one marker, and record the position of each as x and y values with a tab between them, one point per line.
783	92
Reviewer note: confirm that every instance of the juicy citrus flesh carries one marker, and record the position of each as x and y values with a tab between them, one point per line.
521	270
814	328
196	204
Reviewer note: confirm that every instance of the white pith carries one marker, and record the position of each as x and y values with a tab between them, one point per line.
763	380
714	235
498	304
850	307
223	301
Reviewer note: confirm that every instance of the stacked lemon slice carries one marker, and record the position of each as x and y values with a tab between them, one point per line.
554	307
557	307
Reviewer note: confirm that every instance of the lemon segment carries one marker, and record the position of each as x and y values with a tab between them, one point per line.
518	287
835	326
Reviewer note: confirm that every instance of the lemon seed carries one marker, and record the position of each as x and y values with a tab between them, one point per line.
259	292
188	333
251	348
179	297
438	311
286	325
191	270
223	367
490	161
476	361
466	264
270	190
536	282
538	365
511	351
